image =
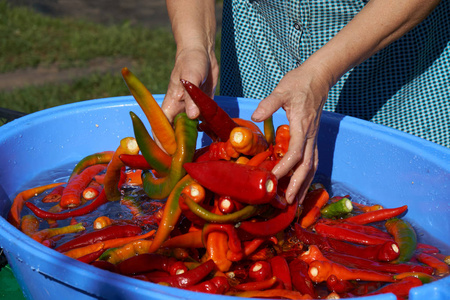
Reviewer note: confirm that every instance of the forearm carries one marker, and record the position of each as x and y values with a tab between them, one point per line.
193	23
379	23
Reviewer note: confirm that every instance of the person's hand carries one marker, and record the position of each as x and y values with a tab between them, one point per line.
198	66
301	93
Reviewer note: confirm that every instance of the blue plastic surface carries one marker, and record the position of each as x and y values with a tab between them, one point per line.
376	163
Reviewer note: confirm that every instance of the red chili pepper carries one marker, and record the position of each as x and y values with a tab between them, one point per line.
300	278
247	184
337	285
377	215
362	263
367	229
282	137
257	285
348	235
279	222
187	279
260	271
319	271
81	211
217	285
88	258
210	113
135	161
425	248
399	289
280	269
146	262
389	251
107	233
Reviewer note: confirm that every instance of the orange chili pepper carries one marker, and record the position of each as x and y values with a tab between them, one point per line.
29	225
91	192
119	242
71	195
54	195
192	239
133	177
282	137
82	251
22	197
312	254
217	248
116	255
159	123
45	234
102	222
247	141
259	158
127	145
313	203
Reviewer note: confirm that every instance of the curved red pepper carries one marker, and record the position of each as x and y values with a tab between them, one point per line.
377	215
107	233
248	184
348	235
250	229
216	285
216	119
188	278
147	262
280	269
399	289
300	278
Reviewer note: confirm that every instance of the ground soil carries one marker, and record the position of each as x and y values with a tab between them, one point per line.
147	13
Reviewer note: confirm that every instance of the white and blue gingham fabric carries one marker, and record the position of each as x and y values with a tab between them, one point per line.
405	86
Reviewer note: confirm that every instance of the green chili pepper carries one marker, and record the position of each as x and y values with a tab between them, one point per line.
245	213
171	214
269	131
337	209
154	155
405	236
186	137
92	159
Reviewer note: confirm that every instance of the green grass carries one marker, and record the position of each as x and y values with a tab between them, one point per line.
30	39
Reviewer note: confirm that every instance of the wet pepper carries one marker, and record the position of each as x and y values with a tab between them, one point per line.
244	183
405	236
186	137
158	159
158	121
210	113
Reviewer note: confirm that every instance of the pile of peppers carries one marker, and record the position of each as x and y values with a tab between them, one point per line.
215	219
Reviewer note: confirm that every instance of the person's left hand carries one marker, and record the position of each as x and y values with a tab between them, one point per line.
301	93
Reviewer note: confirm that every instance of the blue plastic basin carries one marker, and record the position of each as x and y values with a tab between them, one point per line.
373	162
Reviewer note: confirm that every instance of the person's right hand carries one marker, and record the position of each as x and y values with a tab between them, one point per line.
198	66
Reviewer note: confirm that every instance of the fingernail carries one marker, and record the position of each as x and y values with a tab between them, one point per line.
257	115
289	198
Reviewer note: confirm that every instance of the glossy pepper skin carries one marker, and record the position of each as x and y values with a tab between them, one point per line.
247	184
186	137
154	155
103	157
158	121
212	114
107	233
405	236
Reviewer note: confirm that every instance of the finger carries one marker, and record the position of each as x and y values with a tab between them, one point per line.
309	178
302	174
266	108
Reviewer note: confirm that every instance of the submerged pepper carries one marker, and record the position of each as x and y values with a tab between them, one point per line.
186	137
405	236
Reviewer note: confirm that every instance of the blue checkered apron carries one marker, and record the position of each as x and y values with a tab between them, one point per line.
405	86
